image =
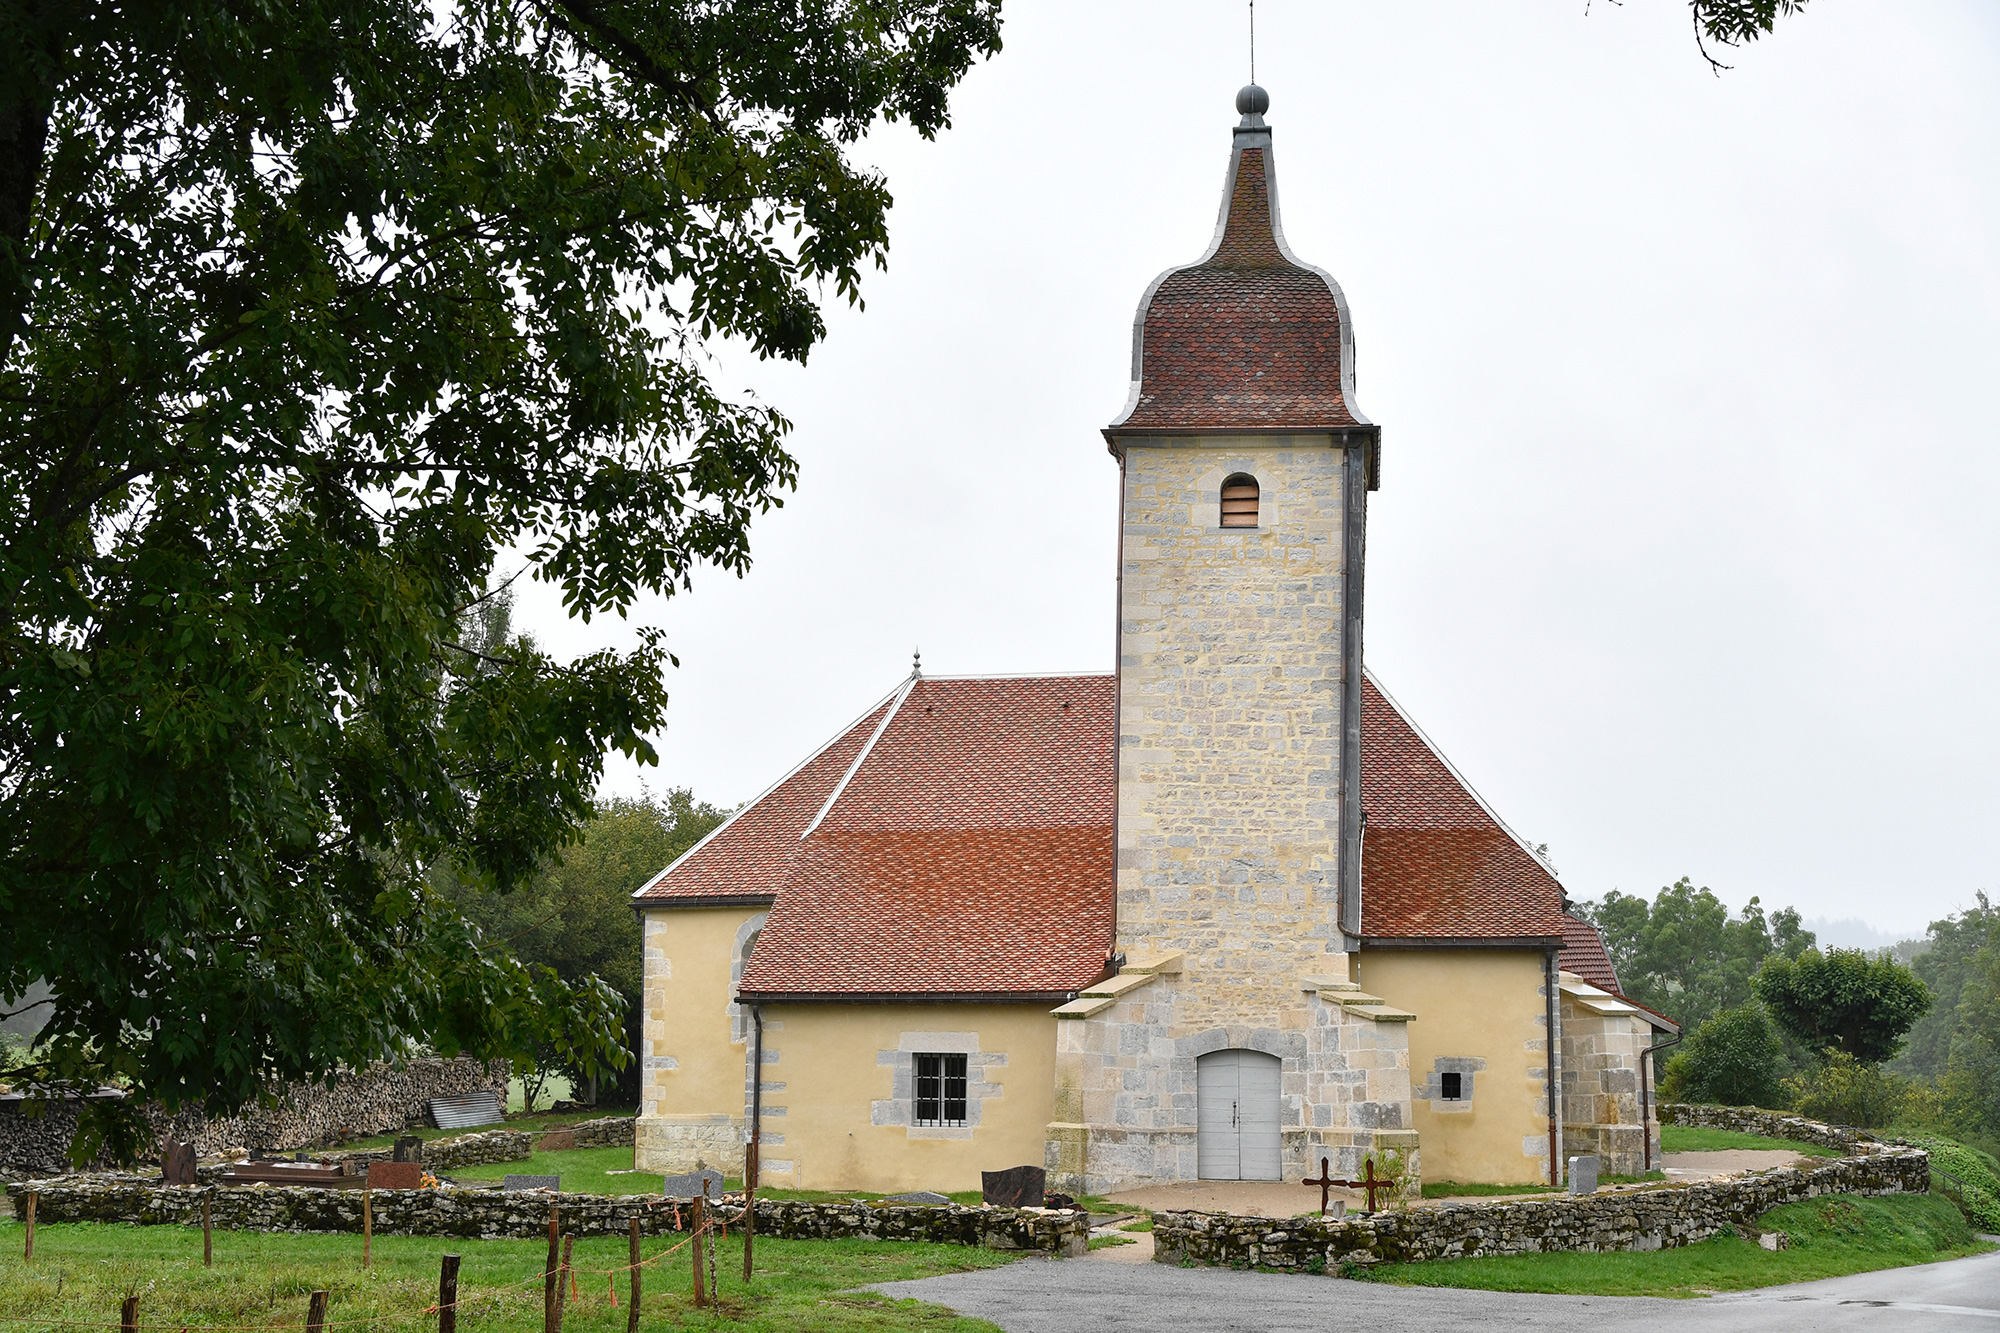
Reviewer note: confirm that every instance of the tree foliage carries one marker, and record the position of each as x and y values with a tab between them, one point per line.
1947	962
1843	1000
307	310
575	917
1734	1058
1684	954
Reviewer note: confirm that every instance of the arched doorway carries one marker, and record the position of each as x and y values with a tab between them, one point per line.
1237	1095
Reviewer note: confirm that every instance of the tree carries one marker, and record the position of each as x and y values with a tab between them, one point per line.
1944	967
1842	1000
1733	1058
306	312
1685	954
576	916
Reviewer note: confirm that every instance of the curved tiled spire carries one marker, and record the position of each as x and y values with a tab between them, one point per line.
1247	338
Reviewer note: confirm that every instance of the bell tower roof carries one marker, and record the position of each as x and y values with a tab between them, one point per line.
1248	338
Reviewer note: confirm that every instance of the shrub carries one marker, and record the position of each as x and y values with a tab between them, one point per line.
1967	1177
1733	1058
1846	1092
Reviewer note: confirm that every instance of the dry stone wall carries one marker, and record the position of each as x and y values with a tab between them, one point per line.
489	1214
1770	1124
1633	1218
378	1100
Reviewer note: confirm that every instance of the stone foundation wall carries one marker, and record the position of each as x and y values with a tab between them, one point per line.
676	1144
1770	1124
1630	1218
380	1100
495	1214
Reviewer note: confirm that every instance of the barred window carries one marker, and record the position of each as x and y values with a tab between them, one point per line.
1239	501
940	1090
1452	1085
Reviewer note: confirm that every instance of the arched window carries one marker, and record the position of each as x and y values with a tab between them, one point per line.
1239	502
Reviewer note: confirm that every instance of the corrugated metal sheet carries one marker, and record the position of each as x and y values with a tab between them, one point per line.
474	1108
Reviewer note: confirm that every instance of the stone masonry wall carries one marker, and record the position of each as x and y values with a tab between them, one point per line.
1770	1124
1600	1082
1630	1218
379	1100
495	1214
1229	722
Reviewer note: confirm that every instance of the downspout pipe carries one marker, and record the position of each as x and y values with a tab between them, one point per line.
1645	1076
753	1166
1552	1018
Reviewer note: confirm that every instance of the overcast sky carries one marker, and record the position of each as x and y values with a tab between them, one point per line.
1687	550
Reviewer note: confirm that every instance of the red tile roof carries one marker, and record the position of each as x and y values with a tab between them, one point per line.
1435	862
971	852
1584	954
1247	338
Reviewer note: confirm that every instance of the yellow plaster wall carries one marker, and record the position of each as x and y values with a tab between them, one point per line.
834	1078
692	1064
1485	1004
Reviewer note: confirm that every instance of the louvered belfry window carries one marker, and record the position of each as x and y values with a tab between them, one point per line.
1239	502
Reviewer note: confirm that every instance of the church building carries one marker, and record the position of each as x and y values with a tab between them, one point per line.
1213	916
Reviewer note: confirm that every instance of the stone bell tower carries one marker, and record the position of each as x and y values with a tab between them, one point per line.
1223	1049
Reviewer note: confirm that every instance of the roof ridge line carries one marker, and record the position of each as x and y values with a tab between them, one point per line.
753	802
1033	675
1463	781
862	758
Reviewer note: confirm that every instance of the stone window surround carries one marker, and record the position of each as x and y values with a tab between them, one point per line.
900	1107
1432	1090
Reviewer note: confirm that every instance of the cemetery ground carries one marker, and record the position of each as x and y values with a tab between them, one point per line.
82	1272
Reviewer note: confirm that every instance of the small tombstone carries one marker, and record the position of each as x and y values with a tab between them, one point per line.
919	1196
1583	1174
556	1140
689	1186
1775	1240
409	1148
1016	1187
177	1164
395	1175
550	1183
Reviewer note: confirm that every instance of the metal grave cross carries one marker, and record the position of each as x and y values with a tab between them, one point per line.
1369	1182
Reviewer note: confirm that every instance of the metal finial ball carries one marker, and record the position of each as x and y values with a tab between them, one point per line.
1252	101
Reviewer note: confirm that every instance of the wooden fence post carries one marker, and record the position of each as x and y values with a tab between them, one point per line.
563	1281
632	1315
28	1255
448	1295
698	1219
128	1315
750	1167
207	1235
367	1227
552	1276
316	1313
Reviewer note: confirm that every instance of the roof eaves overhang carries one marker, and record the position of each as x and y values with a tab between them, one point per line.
665	903
906	997
1537	942
1371	434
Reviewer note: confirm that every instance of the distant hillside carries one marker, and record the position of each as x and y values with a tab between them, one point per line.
1854	933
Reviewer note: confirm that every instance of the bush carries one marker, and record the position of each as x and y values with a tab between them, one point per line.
1734	1058
1967	1177
1843	1091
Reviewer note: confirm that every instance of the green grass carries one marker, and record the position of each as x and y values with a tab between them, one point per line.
1831	1237
583	1171
1967	1176
1145	1224
1452	1189
1695	1138
82	1271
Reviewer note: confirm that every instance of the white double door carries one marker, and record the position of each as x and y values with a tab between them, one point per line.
1237	1096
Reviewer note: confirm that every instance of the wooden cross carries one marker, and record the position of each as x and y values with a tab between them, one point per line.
1369	1182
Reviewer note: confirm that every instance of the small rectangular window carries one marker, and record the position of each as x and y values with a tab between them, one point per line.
940	1090
1453	1086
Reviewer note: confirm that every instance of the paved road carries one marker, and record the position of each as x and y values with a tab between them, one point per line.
1041	1296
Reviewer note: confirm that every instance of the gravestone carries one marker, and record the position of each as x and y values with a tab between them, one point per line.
1016	1187
919	1196
689	1186
1583	1174
395	1175
409	1148
177	1164
551	1183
